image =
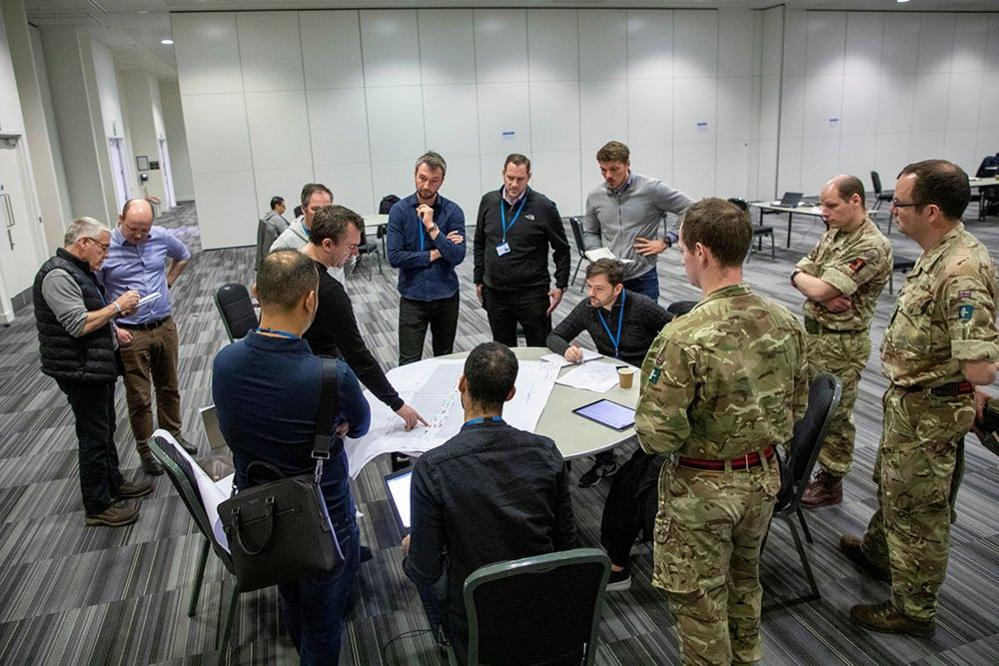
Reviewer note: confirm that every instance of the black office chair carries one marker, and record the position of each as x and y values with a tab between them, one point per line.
678	308
577	235
880	196
536	610
364	248
178	469
759	231
988	197
384	206
234	305
824	395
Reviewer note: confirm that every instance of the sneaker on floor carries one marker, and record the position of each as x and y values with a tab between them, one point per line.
190	448
619	581
118	514
130	489
599	471
150	465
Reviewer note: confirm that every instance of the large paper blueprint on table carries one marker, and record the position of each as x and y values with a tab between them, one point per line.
434	394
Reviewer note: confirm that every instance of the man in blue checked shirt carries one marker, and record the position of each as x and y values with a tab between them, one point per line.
147	259
426	240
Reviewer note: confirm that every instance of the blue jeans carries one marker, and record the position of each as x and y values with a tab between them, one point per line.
647	284
313	608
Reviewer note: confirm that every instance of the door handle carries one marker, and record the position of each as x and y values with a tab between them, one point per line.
10	217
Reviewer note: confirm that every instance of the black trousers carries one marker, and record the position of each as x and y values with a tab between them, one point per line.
528	307
630	509
414	317
93	409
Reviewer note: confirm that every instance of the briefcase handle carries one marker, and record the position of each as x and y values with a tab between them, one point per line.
270	529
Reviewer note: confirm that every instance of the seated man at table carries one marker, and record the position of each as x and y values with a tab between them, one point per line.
490	493
622	324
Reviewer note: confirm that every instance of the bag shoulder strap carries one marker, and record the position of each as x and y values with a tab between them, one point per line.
328	403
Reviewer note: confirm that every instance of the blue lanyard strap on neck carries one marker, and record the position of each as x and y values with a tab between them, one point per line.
615	340
423	229
481	419
506	227
274	331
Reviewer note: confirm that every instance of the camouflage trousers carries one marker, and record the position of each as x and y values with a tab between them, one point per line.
915	472
843	355
706	557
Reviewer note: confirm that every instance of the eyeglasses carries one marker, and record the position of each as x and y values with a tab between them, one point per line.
895	203
104	246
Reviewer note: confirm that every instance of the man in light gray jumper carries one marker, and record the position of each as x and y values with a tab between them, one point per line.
623	215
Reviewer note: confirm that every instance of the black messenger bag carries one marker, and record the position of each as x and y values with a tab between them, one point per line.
280	531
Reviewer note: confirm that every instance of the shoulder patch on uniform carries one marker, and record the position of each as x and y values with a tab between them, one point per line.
654	375
965	312
857	264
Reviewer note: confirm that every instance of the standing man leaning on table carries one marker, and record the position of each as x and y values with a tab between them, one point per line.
514	229
842	278
720	387
624	213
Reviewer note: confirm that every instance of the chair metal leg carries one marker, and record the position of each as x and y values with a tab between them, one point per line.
891	282
804	557
223	645
579	265
773	251
804	525
199	577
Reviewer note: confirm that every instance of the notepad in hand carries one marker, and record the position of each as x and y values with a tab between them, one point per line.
604	253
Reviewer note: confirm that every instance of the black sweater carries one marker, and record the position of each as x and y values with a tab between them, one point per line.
334	333
526	265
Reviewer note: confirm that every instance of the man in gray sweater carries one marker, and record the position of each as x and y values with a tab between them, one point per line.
623	215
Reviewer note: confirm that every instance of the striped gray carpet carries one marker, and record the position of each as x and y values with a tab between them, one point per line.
70	594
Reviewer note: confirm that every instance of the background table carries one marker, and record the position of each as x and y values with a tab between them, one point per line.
574	435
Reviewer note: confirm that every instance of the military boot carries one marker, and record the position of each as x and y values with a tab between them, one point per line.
853	547
885	618
824	490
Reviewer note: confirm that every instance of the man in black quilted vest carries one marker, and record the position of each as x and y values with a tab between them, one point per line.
78	347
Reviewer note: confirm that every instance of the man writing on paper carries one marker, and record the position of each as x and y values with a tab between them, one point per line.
721	386
490	493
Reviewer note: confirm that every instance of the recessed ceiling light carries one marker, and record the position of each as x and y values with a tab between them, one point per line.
901	1
167	42
143	11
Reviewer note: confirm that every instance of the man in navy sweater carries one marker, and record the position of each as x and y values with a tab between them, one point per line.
266	389
426	240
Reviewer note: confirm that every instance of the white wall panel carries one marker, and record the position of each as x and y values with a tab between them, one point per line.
226	208
898	48
795	44
694	169
651	161
963	100
603	112
696	38
773	31
338	126
766	171
929	102
936	42
270	51
987	115
603	44
553	44
825	40
992	45
699	102
895	103
863	43
207	53
734	95
959	147
285	183
395	123
447	46
735	42
500	45
769	107
971	34
556	175
732	170
217	133
650	112
650	44
792	106
988	139
922	146
279	129
351	186
891	154
331	49
789	166
860	104
464	186
823	104
396	178
554	116
504	109
856	157
820	161
390	47
452	119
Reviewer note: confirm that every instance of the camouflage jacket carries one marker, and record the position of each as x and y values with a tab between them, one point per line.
725	379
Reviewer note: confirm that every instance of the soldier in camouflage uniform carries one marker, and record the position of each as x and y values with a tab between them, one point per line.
720	387
940	343
842	278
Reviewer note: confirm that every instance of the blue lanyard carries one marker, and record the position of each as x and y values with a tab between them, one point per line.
506	227
482	419
274	331
616	341
423	230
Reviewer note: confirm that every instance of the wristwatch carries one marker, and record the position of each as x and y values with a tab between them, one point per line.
794	274
433	228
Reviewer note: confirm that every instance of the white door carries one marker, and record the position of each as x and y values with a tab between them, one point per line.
171	198
116	152
19	258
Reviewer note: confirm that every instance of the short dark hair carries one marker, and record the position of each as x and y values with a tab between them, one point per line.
847	186
331	222
433	160
275	201
941	183
283	278
720	226
517	159
491	371
311	188
614	151
612	268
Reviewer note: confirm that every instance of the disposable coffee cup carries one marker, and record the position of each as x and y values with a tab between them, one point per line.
625	376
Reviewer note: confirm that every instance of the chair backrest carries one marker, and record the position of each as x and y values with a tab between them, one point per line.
824	395
386	204
178	468
876	182
988	167
236	308
539	609
577	234
678	308
740	203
